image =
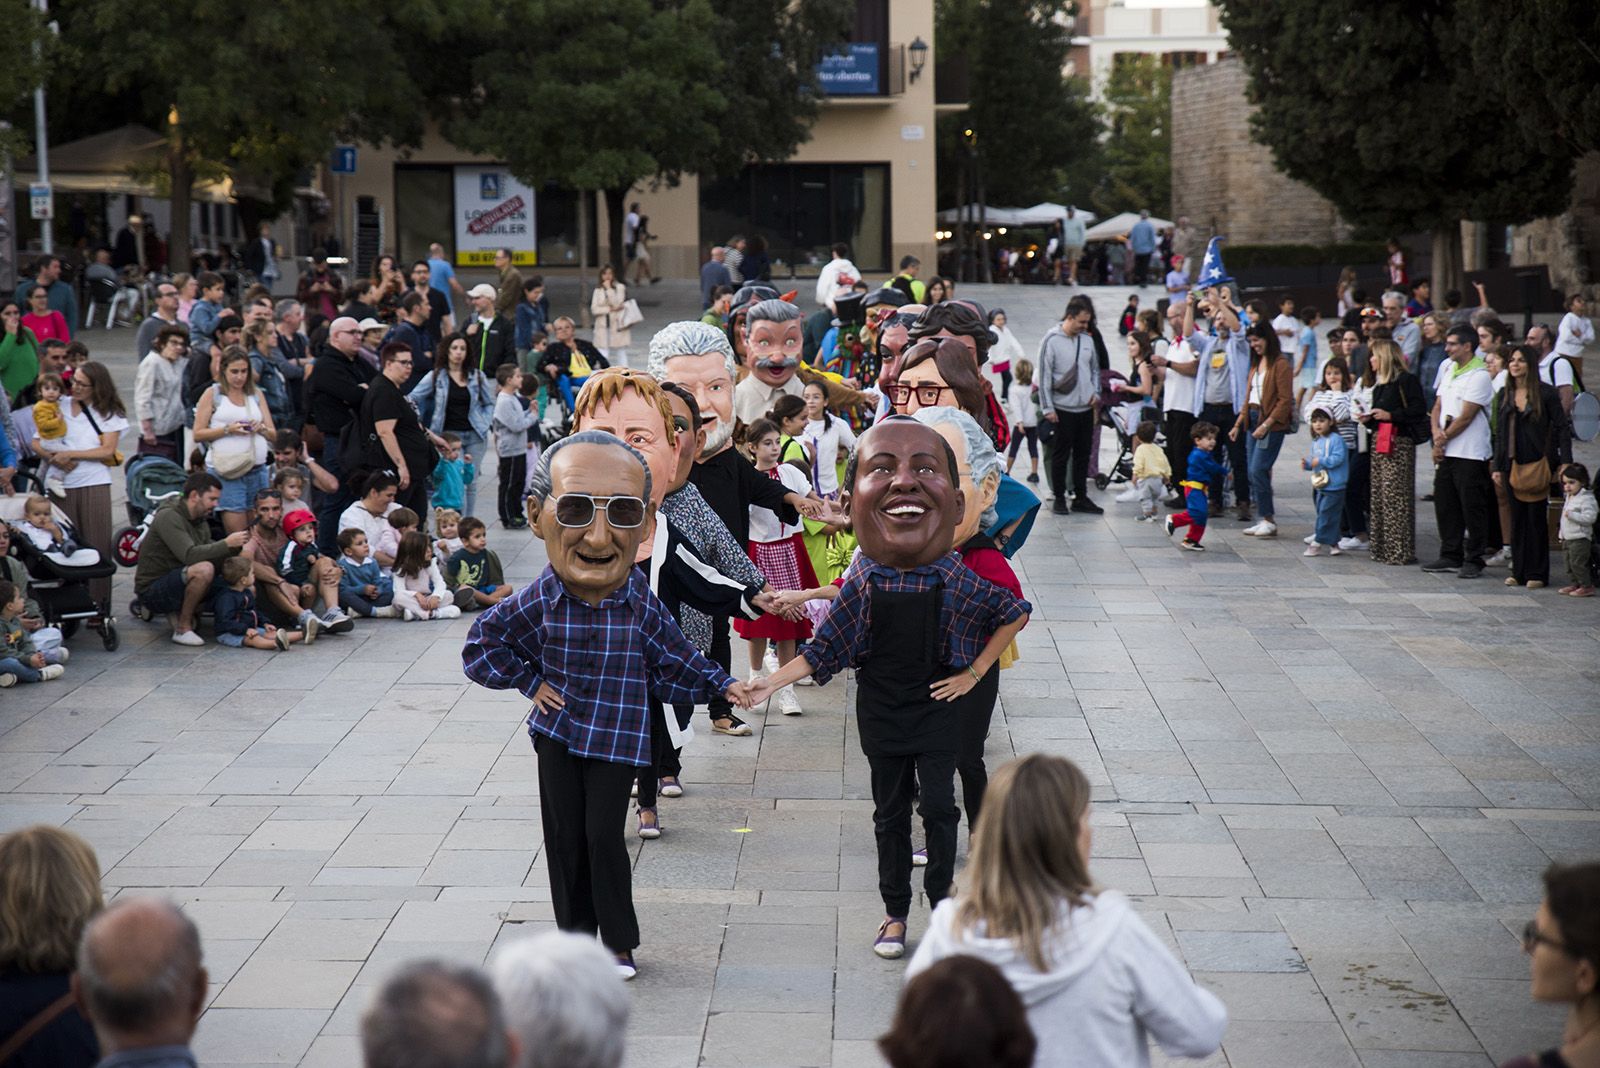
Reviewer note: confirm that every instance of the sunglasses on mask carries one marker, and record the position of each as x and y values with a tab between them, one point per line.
577	510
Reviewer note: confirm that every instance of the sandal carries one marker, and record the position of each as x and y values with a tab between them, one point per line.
649	823
890	946
731	725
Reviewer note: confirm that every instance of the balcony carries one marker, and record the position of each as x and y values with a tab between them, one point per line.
863	72
951	84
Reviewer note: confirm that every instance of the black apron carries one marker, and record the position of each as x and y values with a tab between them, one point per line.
895	711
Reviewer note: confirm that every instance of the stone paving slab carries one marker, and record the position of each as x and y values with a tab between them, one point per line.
1329	787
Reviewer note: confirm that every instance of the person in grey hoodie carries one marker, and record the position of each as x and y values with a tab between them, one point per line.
1095	979
1068	375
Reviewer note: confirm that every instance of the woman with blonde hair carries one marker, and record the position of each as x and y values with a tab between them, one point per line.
1095	979
49	888
1396	423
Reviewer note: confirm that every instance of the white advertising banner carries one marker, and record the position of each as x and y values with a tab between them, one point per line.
493	211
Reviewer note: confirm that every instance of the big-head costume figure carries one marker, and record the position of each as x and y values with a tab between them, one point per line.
921	630
588	643
774	338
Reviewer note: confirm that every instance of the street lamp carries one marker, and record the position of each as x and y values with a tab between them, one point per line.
919	57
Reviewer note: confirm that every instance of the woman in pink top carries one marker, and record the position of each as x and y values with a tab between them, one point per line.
45	323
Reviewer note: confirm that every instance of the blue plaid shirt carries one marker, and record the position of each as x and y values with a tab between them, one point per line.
970	611
605	660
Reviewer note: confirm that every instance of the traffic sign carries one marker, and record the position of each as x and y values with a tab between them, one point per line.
39	200
344	159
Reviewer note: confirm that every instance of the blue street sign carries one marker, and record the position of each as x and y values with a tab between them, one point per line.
851	70
344	159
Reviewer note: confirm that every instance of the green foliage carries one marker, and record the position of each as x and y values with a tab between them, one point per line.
1033	126
1137	168
1381	108
1546	54
1240	257
21	68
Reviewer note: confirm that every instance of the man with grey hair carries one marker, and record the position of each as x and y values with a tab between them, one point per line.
1405	333
564	1002
141	984
700	359
432	1014
774	342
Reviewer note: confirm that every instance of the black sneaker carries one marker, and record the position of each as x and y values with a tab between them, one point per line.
1470	570
1059	507
1439	567
1034	479
1084	504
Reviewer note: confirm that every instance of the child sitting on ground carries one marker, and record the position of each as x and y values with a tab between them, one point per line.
475	569
447	532
238	623
45	534
1329	464
1150	471
452	475
1578	517
45	639
419	589
19	660
363	587
299	552
1203	470
401	520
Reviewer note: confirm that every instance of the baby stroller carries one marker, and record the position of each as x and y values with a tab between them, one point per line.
61	590
151	481
30	467
1122	412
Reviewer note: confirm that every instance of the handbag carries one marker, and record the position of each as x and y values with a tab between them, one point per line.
1319	479
1530	483
116	454
1384	443
631	315
234	465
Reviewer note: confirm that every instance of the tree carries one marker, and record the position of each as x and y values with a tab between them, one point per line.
1381	108
1549	51
257	90
1137	111
628	90
25	49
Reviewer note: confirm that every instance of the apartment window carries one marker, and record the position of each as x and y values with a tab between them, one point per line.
801	209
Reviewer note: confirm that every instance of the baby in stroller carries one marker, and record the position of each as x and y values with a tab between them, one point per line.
54	539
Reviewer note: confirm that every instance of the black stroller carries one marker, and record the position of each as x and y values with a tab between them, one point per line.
62	590
151	481
1117	412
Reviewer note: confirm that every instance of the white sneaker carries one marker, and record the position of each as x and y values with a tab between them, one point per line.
1500	559
1263	529
1128	495
387	611
788	703
413	616
756	675
62	654
51	671
312	626
187	637
7	680
769	662
807	681
1310	539
1352	543
448	611
1311	550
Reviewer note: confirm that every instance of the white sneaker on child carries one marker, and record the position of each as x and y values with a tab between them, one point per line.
59	655
1352	543
312	627
387	611
448	611
1310	539
1129	494
7	679
336	622
788	702
51	671
769	662
413	616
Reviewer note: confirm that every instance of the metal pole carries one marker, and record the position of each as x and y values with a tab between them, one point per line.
42	140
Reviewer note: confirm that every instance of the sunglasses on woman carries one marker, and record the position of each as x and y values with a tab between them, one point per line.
577	510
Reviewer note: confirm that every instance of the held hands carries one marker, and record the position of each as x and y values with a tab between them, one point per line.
547	700
955	686
739	694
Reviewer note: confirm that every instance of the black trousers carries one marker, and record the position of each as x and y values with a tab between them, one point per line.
1530	540
721	654
1463	501
1074	437
894	788
1223	415
977	709
334	503
513	474
1141	267
1357	514
1177	426
583	805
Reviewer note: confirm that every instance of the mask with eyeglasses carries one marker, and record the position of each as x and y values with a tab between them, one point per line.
927	396
578	510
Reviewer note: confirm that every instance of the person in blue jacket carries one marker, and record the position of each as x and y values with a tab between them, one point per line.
1331	457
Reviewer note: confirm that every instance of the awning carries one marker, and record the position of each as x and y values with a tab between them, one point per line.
1117	227
118	161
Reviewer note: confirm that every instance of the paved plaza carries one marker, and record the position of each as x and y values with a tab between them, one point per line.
1329	786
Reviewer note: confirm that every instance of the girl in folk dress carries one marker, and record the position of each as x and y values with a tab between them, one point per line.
777	550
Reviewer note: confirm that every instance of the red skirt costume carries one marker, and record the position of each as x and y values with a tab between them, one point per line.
786	565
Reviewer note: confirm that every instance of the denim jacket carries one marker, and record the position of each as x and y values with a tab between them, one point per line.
273	386
1332	457
432	394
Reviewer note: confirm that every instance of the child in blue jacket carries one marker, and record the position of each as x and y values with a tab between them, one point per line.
1203	471
363	587
1331	457
238	622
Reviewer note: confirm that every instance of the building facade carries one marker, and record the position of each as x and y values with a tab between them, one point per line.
1182	32
866	177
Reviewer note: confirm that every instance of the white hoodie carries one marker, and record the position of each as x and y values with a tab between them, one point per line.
1110	983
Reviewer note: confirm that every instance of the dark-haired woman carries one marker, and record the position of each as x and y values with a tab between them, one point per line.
1269	402
95	418
1562	942
1528	451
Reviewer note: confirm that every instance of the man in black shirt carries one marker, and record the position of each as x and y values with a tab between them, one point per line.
335	388
491	339
439	322
402	443
699	358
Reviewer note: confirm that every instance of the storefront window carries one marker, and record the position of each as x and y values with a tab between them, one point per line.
802	209
425	212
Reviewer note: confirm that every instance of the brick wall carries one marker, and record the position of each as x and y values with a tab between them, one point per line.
1225	182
